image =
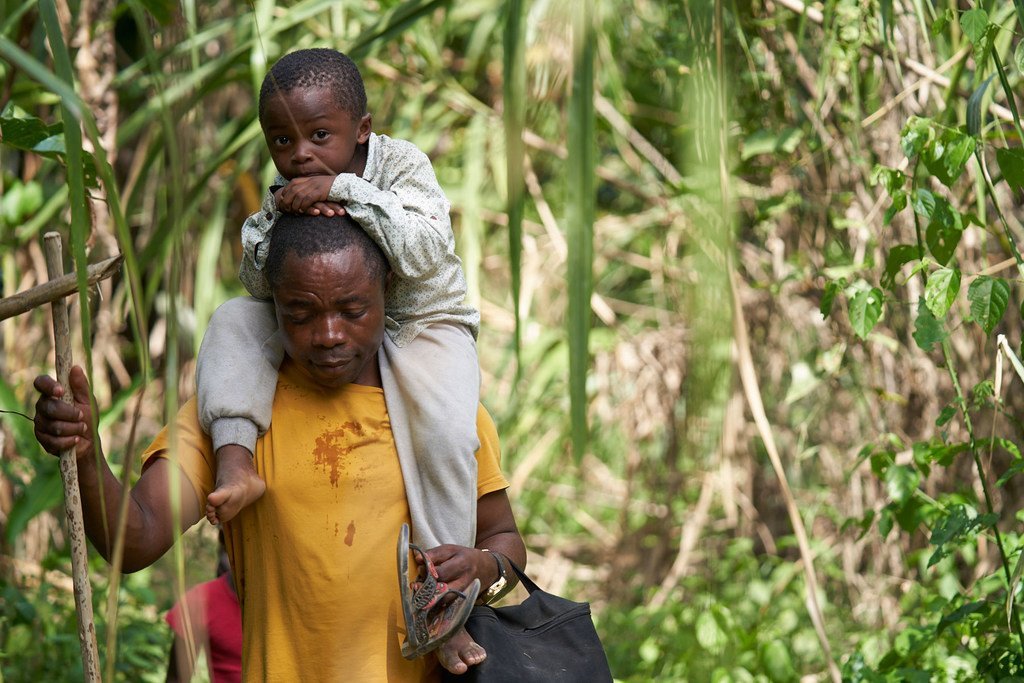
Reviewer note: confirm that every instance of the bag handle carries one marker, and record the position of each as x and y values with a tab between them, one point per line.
523	578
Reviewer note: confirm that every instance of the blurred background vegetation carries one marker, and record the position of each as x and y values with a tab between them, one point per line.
760	486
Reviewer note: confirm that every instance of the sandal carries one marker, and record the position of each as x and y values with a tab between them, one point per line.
428	628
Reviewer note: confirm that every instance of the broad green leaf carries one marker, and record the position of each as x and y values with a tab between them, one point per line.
709	632
947	413
989	297
915	135
941	290
1011	163
899	202
865	310
955	526
1018	57
927	330
947	155
974	24
898	256
923	202
900	482
891	179
778	663
942	238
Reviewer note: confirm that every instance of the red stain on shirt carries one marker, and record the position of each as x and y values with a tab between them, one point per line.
351	533
332	447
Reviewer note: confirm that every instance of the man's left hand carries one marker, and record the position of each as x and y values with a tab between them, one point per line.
458	565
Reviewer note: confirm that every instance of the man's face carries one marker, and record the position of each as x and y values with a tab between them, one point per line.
308	134
331	311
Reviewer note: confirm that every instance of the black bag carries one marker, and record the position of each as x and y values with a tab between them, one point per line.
546	639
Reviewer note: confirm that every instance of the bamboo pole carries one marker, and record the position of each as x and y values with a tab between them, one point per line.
69	473
56	288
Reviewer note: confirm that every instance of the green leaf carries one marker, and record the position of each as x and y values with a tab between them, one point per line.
974	24
942	238
947	156
915	135
865	310
778	663
959	614
900	482
898	256
580	209
941	290
44	492
771	142
923	202
942	20
1018	57
33	135
891	179
709	633
828	298
989	297
1011	163
955	526
975	114
927	330
947	413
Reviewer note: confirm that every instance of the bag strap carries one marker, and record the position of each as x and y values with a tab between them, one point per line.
523	578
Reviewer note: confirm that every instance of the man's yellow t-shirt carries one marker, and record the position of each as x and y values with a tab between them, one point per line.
314	558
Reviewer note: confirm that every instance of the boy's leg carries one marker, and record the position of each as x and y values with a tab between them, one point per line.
432	391
236	377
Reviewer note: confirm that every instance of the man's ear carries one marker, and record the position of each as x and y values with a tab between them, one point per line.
388	278
365	126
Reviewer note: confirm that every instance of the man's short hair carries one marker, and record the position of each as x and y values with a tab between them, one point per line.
306	235
318	67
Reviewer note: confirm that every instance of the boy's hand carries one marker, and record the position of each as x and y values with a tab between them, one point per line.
308	195
61	425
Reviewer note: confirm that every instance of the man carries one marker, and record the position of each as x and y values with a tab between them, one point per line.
314	557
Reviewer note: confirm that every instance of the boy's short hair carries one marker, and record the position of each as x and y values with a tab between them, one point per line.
307	235
317	67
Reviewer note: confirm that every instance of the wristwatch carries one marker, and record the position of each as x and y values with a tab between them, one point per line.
498	587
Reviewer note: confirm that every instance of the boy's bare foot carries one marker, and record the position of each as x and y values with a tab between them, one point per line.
238	484
460	653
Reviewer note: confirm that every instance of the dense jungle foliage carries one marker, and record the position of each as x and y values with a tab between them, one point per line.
749	275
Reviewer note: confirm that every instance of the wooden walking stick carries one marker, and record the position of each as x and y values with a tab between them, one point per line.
69	473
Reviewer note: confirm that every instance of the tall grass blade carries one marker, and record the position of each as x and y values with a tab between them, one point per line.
393	23
1011	101
514	101
580	222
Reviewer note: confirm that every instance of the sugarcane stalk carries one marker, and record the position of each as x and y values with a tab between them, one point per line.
69	473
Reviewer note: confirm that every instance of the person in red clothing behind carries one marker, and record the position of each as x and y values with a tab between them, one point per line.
216	624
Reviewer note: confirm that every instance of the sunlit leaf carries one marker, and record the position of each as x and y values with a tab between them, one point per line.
989	297
941	290
974	24
865	310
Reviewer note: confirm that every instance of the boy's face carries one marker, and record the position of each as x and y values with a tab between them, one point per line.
308	134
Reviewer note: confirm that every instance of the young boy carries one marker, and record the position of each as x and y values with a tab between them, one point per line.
312	109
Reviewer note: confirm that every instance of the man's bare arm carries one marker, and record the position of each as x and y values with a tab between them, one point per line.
496	531
150	528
